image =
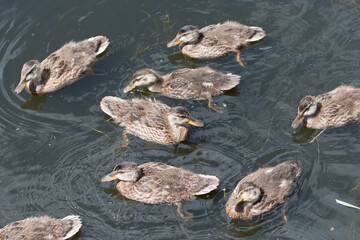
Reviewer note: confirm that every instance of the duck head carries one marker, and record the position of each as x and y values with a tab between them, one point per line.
308	107
30	73
143	77
248	194
180	116
186	35
126	171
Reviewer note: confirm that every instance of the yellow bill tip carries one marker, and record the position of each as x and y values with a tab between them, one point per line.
196	123
299	119
108	178
173	43
129	88
20	86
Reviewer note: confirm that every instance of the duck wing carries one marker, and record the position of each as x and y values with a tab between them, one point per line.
147	120
276	183
162	183
71	62
198	83
340	106
233	34
41	228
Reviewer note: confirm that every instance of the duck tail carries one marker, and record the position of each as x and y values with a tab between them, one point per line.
102	44
258	34
231	81
107	105
212	183
72	225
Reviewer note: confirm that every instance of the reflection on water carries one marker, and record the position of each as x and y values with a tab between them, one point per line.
190	147
233	92
184	61
52	159
36	102
303	135
249	229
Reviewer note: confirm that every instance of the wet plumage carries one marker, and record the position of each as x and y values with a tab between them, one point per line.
216	40
36	228
156	183
263	190
332	109
63	67
201	83
151	121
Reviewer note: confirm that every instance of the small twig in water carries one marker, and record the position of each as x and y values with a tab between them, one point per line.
118	213
61	16
99	131
141	50
355	188
317	136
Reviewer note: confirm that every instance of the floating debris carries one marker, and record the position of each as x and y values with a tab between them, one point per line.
99	131
346	204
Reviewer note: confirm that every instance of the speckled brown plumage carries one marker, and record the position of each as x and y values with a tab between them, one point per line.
333	109
37	228
275	184
61	68
216	40
201	83
152	121
161	183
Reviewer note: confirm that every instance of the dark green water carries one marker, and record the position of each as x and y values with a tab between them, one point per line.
51	160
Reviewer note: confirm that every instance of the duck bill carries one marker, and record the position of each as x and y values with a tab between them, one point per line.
20	86
299	119
173	42
196	122
129	88
108	178
235	201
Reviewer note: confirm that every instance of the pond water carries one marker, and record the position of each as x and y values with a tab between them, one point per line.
52	154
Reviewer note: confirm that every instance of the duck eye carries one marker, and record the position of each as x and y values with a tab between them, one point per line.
182	31
31	70
182	116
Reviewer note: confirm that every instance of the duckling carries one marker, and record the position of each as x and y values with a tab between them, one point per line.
201	83
151	121
332	109
36	228
63	67
263	190
216	40
159	183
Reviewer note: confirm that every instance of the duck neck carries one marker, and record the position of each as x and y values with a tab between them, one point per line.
35	85
157	84
132	176
179	132
247	207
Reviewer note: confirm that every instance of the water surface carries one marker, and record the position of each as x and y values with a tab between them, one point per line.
52	159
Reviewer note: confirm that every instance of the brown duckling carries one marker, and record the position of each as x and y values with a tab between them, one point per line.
63	67
36	228
151	121
332	109
216	40
263	190
201	83
158	183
